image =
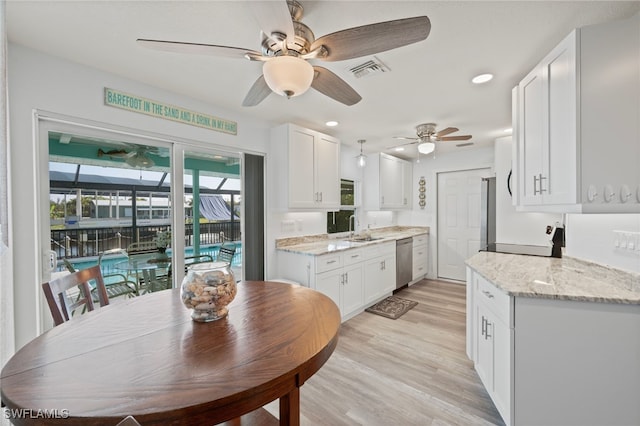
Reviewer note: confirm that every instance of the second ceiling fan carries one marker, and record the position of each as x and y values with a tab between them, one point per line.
427	135
288	44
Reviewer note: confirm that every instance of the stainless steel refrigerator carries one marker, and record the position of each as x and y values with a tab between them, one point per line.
488	215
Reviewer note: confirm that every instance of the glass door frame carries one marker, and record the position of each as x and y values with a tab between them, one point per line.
45	122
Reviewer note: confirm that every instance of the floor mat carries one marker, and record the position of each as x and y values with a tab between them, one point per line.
392	307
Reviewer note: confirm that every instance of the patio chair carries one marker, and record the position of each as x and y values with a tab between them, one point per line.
226	252
159	279
117	284
61	300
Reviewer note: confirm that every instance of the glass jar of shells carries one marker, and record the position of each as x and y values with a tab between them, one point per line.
207	289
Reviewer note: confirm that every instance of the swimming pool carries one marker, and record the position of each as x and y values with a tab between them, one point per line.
109	262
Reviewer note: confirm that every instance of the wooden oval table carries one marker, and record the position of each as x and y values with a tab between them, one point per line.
145	357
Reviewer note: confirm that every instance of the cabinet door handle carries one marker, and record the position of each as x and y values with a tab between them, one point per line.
488	294
535	180
382	201
320	196
541	178
355	256
346	278
329	262
484	326
488	336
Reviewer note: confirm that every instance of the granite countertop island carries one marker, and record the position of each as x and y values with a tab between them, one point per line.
315	245
552	278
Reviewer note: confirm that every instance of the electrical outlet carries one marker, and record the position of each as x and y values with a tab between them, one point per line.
627	241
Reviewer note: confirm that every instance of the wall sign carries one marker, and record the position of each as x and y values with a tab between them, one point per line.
135	103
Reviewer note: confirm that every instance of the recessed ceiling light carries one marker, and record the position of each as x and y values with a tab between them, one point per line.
331	123
482	78
399	148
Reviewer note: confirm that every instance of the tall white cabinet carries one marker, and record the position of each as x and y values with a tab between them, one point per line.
576	123
308	168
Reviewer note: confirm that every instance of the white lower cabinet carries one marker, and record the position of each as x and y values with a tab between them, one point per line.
340	276
493	341
552	361
354	278
379	272
420	257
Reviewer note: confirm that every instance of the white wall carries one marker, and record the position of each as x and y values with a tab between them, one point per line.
590	237
41	82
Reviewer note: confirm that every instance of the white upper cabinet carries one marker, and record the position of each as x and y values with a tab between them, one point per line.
307	168
387	183
576	124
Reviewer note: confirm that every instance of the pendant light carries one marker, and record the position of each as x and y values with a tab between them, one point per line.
361	160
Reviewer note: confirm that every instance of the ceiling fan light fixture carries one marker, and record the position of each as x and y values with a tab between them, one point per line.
288	75
426	147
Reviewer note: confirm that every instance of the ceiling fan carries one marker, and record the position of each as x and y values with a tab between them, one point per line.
288	44
427	135
136	157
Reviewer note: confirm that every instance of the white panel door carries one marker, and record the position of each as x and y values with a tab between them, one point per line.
458	221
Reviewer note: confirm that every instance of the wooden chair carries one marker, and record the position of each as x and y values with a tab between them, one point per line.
62	303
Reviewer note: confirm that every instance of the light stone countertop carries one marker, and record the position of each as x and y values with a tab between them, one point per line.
316	245
552	278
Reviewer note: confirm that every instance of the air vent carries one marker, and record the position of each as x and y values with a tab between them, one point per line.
372	66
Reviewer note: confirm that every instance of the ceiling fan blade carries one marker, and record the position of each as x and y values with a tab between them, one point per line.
406	138
405	144
329	84
374	38
446	131
456	138
197	48
258	92
273	17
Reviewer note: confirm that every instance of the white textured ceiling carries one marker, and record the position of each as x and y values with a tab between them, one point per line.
429	81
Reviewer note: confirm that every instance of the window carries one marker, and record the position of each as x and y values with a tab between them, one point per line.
339	221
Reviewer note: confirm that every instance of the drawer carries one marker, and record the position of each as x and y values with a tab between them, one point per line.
420	239
349	257
328	262
377	250
419	268
494	299
419	252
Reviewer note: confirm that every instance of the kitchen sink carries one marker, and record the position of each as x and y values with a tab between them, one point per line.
363	239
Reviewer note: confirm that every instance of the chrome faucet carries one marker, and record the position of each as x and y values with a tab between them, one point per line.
354	225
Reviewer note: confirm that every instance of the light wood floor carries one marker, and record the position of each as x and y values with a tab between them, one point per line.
409	371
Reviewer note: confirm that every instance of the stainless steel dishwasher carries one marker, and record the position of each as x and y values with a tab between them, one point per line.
404	261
